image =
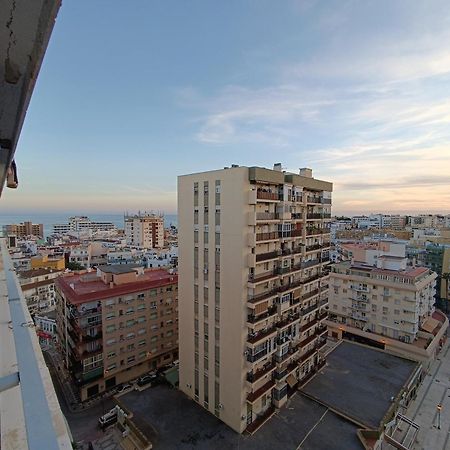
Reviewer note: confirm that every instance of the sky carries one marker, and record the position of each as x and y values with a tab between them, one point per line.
133	94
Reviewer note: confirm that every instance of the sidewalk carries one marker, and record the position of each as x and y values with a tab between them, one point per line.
434	390
69	391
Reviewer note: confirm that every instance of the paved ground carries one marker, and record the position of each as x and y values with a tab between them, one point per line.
172	421
434	390
82	424
360	381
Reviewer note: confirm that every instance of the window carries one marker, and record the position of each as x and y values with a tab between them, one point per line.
111	341
111	355
153	305
141	307
131	359
110	328
110	316
111	366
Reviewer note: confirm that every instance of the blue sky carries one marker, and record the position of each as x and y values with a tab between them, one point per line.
132	94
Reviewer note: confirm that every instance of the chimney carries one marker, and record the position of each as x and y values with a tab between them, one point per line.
305	172
277	167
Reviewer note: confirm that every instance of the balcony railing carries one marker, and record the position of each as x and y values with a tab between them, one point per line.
309	309
256	375
256	337
266	216
252	318
33	407
288	320
265	195
296	216
253	396
310	294
267	236
262	418
256	278
269	255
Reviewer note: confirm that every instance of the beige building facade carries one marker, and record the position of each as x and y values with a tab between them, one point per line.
145	230
253	283
116	324
377	299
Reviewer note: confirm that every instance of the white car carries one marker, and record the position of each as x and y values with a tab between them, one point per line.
125	387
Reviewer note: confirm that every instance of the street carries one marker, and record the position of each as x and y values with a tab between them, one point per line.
83	424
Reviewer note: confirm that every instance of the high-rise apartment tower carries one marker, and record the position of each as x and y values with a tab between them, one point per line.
253	286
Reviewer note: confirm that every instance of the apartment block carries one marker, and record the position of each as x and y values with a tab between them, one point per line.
38	287
145	230
377	298
116	324
25	229
253	268
80	224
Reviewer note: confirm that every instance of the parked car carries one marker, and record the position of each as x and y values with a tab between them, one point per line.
108	419
124	387
146	379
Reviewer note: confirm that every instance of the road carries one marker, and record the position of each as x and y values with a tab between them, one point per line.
434	432
83	424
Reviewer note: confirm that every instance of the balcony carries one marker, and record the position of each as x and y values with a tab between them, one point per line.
254	376
321	343
289	286
266	216
267	256
253	396
260	420
310	231
30	408
266	195
297	216
253	338
314	199
308	340
255	319
309	325
359	288
256	298
254	357
273	235
258	278
309	309
291	318
310	294
307	355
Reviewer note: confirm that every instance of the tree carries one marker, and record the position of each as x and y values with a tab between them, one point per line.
74	266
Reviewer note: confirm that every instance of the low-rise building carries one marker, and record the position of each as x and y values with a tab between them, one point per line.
49	262
46	328
376	298
38	287
116	324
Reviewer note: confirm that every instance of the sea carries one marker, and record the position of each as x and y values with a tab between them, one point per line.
48	220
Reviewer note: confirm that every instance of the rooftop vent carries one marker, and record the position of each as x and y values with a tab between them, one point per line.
277	167
305	172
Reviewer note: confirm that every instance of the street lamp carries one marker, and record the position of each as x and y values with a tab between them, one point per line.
439	407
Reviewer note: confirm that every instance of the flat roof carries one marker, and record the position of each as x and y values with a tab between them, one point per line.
302	423
412	272
36	272
117	269
85	287
359	382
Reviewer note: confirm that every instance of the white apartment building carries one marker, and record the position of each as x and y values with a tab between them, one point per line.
376	298
38	287
253	288
82	224
145	230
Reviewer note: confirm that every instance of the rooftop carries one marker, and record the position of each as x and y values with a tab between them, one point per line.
119	268
302	424
368	379
412	272
85	287
36	272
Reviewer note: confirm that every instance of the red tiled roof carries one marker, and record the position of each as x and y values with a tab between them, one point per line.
96	289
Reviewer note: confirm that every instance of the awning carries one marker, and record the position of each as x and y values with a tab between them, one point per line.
430	324
291	380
